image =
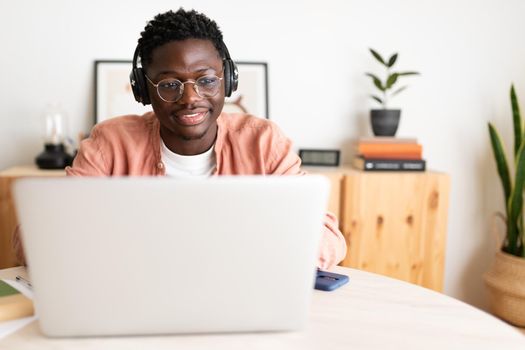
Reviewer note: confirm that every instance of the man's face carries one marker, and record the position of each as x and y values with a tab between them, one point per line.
188	125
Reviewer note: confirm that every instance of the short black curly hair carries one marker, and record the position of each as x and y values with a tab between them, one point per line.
174	26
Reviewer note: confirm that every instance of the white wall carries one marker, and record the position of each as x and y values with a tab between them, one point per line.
468	52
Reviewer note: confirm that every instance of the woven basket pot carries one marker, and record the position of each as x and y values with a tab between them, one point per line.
506	284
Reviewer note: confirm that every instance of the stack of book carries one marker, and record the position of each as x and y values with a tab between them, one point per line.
389	154
13	304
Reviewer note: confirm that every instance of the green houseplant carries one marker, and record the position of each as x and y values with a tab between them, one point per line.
385	121
506	278
513	191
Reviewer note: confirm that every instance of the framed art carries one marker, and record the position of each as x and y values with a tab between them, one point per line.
252	93
113	95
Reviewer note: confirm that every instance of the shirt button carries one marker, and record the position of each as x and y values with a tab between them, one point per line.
160	165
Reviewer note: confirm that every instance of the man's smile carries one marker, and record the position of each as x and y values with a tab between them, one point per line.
190	119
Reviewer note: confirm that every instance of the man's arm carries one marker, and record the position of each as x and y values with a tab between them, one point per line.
333	245
90	160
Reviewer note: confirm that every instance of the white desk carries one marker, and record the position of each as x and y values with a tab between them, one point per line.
370	312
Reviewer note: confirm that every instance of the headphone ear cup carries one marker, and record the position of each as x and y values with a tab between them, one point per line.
138	86
231	77
234	76
227	81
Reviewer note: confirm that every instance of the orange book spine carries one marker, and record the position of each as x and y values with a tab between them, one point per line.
401	155
379	148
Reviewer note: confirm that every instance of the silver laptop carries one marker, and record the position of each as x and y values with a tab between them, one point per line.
118	256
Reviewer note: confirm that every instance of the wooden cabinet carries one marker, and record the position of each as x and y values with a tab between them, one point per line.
395	223
8	220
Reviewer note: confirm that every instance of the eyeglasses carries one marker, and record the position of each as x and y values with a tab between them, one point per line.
171	89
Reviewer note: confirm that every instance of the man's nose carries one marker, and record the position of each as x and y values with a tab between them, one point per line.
189	93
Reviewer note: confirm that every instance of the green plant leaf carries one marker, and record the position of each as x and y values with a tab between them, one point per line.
407	73
518	250
509	245
399	90
522	244
391	80
377	99
378	57
501	163
516	206
377	81
516	118
392	60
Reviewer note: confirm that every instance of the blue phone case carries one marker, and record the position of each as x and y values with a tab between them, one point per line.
329	281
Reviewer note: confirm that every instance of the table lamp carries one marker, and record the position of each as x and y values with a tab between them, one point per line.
54	155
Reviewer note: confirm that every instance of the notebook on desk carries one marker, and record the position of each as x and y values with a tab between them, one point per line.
119	256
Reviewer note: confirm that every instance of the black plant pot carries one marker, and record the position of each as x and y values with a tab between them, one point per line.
53	157
385	121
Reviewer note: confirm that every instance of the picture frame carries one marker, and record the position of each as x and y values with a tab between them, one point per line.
252	93
114	97
113	94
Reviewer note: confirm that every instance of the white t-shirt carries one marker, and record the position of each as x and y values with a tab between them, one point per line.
179	166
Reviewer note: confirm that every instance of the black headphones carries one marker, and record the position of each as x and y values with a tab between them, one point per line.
139	86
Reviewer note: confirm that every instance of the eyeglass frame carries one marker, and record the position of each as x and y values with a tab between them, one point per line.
183	84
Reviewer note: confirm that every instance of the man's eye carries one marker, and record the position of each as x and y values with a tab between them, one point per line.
173	85
206	81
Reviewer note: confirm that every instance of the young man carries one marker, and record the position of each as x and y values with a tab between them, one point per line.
185	75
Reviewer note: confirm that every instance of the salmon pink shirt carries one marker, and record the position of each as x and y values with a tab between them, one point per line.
245	145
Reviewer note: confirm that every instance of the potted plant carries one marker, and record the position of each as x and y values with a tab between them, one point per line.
506	278
385	121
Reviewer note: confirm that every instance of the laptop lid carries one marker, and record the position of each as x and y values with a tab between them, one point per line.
135	255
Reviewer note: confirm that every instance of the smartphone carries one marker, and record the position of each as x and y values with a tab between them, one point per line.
329	281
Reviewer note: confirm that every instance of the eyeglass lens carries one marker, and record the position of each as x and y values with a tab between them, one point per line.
171	89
